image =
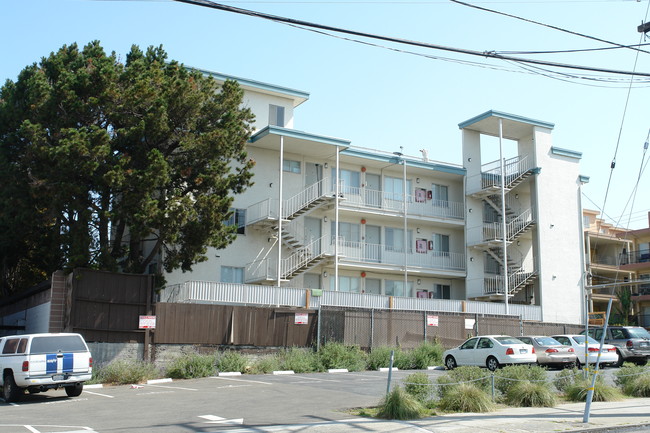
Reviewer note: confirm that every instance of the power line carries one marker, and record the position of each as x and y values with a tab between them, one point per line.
486	54
549	26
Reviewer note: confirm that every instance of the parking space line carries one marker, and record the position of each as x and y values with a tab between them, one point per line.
32	429
173	387
101	395
316	379
240	380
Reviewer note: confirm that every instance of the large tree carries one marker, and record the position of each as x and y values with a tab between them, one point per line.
107	164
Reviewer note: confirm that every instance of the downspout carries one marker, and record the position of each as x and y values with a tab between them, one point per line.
336	221
280	210
503	216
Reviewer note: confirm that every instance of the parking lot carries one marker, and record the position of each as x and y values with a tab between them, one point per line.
245	403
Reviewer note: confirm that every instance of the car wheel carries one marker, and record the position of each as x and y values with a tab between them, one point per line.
641	362
74	390
578	364
450	363
491	363
620	359
10	391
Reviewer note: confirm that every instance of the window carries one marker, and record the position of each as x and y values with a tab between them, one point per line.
347	284
10	346
394	188
238	219
373	285
276	115
348	231
350	181
441	291
395	240
586	221
440	195
440	244
396	288
469	344
291	166
230	274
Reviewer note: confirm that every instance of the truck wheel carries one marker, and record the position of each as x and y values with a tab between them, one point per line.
620	360
74	390
10	391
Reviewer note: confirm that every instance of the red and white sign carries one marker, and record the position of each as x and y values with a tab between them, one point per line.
301	319
432	320
147	322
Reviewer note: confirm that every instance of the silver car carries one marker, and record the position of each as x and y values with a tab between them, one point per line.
550	352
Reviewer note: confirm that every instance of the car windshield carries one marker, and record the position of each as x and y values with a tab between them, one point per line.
639	333
580	339
547	341
508	340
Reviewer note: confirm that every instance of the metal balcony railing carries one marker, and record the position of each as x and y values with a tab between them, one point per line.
640	256
515	226
514	169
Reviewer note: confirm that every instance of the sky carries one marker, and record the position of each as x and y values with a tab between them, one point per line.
382	95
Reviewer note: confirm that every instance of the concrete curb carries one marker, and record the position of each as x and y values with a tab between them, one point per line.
154	381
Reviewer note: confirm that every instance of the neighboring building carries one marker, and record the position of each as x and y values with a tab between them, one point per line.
637	260
323	214
604	247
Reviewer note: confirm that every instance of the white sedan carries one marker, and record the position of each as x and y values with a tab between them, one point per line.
490	351
608	356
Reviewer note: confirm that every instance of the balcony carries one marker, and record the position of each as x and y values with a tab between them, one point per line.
377	254
417	205
636	257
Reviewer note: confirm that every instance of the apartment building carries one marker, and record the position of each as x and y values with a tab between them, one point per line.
324	214
636	260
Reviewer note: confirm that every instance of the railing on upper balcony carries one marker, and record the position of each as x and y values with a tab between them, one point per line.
513	168
640	256
362	252
494	231
416	205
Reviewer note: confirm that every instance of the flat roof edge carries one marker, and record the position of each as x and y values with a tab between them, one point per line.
507	116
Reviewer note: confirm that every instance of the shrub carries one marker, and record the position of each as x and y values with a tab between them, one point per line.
398	404
418	385
475	376
425	355
629	373
191	365
565	378
122	372
337	355
265	364
510	375
231	361
639	387
529	394
466	398
380	357
577	391
299	360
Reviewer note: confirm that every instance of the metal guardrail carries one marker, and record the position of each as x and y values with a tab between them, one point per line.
249	294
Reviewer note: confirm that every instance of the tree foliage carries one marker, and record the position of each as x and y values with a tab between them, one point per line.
115	165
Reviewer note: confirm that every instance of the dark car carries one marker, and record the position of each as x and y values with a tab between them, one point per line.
632	342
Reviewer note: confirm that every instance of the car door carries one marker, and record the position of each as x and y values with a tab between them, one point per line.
466	352
483	349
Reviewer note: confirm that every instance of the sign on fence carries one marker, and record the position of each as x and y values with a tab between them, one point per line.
469	323
432	320
147	322
301	319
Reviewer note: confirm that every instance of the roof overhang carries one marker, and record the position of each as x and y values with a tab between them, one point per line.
297	141
514	127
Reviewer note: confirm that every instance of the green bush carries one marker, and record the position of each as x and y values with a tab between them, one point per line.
299	360
123	372
476	376
265	364
419	386
191	366
639	387
400	405
425	355
380	358
578	390
629	373
509	376
565	378
337	355
466	397
231	361
530	394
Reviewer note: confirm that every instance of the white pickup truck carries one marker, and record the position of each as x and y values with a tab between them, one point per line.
38	362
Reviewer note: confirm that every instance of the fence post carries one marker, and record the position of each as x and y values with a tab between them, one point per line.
492	380
424	317
521	325
390	371
476	333
372	327
318	330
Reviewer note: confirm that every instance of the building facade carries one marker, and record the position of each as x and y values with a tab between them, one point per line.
324	214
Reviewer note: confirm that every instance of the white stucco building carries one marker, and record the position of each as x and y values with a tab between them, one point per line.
366	221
